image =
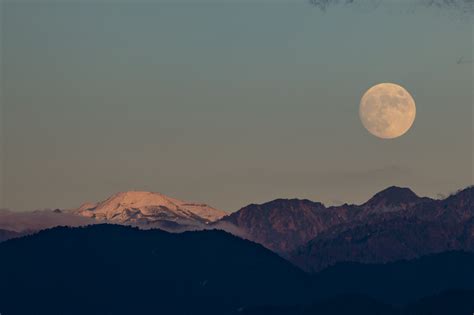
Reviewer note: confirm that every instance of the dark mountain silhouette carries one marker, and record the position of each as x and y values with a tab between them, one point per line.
341	305
399	282
459	302
456	302
426	227
109	269
424	286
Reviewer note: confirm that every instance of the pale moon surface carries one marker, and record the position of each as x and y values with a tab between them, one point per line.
387	110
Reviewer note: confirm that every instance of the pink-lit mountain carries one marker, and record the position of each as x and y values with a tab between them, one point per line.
285	224
150	209
394	224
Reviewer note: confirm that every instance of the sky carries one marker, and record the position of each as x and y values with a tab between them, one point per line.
227	102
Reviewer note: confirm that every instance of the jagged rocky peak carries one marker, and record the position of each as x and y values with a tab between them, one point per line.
393	195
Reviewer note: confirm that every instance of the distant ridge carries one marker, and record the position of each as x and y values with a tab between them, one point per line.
393	224
417	228
285	224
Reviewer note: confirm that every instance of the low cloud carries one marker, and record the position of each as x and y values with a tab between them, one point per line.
231	228
26	222
38	220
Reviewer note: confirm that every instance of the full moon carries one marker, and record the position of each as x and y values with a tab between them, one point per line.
387	110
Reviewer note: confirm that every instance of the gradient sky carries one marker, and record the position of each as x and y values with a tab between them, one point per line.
229	102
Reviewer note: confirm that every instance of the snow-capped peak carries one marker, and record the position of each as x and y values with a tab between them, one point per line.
143	207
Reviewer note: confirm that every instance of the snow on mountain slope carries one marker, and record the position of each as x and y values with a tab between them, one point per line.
148	208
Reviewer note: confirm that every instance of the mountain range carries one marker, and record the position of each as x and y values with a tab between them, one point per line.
283	225
394	224
113	269
425	227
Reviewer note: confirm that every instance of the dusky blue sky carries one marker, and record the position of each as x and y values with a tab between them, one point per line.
227	102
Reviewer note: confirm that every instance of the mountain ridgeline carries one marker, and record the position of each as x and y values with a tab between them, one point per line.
109	269
394	224
112	269
285	224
